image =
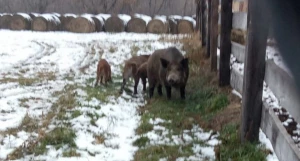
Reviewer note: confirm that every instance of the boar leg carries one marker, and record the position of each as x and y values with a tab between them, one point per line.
168	90
159	90
151	88
97	80
101	80
144	83
182	92
123	85
136	83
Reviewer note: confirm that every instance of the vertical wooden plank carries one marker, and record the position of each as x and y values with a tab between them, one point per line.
214	34
225	42
254	70
203	22
197	2
208	28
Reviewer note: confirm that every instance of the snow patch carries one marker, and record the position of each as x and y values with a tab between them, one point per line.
162	18
143	17
88	17
104	16
26	16
125	18
190	19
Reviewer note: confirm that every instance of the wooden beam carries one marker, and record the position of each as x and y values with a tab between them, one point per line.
214	34
254	70
197	15
208	28
203	22
225	42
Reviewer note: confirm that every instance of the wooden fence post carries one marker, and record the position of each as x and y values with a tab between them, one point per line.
214	34
225	42
208	28
203	22
254	71
197	2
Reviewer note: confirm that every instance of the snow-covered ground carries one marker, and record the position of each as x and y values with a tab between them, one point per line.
39	71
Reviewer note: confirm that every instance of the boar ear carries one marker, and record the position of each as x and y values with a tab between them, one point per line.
185	62
164	62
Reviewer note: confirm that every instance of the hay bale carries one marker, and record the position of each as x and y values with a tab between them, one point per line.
115	23
98	20
20	21
158	25
138	23
173	22
65	21
186	25
5	21
82	24
45	22
99	24
103	17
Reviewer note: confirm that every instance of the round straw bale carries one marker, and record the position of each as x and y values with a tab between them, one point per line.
45	22
99	23
114	24
65	21
5	21
158	26
136	25
185	26
82	25
20	21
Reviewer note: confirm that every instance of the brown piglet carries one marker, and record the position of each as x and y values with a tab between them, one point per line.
103	72
130	70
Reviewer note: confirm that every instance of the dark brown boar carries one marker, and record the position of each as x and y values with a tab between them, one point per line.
169	68
130	70
103	72
142	73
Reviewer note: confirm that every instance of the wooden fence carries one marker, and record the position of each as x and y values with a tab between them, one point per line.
89	23
253	20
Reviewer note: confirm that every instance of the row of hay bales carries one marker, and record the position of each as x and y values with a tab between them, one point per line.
88	23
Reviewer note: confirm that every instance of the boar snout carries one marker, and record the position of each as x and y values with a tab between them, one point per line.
173	79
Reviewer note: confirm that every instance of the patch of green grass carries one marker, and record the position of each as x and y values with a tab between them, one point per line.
154	153
57	138
23	81
46	75
145	126
75	114
71	153
102	92
232	149
141	142
112	49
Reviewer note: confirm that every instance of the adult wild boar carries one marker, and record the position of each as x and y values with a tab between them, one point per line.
142	73
130	70
103	72
169	68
